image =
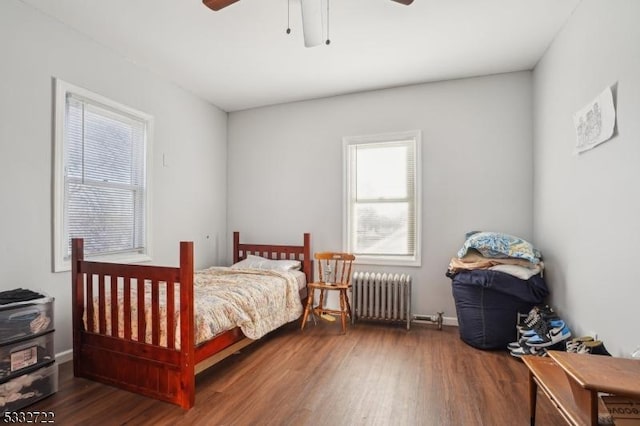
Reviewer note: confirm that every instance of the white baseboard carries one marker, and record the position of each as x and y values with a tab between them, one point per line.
64	356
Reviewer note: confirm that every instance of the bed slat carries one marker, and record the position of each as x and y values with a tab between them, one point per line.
127	308
171	315
102	317
155	313
141	319
114	306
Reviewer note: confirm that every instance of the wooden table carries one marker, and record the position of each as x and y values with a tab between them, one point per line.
572	382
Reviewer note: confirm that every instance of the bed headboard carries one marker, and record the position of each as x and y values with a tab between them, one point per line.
276	252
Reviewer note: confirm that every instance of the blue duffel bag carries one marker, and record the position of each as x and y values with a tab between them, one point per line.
488	303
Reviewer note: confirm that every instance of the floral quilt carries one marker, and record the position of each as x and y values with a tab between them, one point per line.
257	301
499	245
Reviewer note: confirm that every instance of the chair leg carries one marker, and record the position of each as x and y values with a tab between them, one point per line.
343	312
346	298
306	308
321	303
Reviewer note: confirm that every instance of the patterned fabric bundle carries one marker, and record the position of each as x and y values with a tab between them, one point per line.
498	252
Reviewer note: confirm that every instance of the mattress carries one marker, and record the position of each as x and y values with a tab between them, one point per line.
301	278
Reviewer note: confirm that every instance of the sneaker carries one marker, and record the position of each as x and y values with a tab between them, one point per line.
553	336
575	343
595	347
523	350
541	329
533	315
524	337
541	315
513	345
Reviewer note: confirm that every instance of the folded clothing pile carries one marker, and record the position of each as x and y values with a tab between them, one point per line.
18	295
494	277
498	252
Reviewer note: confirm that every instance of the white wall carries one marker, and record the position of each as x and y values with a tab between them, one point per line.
285	167
587	210
189	196
284	164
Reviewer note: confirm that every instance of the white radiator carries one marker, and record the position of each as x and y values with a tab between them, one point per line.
381	297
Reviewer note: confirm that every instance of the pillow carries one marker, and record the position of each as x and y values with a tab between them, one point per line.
497	245
257	262
517	270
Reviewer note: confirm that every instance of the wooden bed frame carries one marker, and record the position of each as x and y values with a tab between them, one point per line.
164	373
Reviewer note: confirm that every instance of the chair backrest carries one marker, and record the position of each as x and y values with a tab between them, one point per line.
335	267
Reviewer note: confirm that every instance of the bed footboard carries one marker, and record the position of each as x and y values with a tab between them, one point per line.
123	357
124	322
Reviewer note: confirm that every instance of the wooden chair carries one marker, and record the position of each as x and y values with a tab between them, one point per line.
335	275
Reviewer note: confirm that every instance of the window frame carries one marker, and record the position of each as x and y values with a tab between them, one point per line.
62	88
415	138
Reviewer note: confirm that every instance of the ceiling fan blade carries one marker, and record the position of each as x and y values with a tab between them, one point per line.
312	22
405	2
219	4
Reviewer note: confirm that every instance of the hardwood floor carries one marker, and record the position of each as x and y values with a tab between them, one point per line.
374	375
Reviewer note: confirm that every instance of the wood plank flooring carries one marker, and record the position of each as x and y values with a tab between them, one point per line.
374	375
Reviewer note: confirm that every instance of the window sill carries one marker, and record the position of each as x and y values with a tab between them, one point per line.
386	261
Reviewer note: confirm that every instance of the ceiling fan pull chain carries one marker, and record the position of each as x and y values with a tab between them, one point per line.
328	41
288	26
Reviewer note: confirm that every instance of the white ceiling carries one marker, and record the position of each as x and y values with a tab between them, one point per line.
241	57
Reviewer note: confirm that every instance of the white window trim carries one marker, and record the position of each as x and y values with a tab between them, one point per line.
347	142
61	264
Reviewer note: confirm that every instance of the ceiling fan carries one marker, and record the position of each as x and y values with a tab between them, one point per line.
311	17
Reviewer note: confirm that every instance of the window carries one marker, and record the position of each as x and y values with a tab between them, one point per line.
101	185
382	198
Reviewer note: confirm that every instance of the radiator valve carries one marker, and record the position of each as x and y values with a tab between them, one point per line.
435	319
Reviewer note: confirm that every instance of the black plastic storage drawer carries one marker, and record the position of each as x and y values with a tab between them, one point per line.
25	319
28	388
25	355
